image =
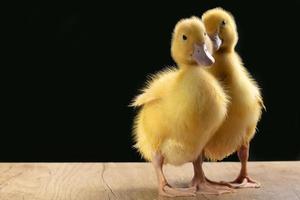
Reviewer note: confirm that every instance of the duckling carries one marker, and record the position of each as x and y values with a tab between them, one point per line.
181	108
246	102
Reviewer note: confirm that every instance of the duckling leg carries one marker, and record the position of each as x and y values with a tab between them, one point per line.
202	184
164	188
243	180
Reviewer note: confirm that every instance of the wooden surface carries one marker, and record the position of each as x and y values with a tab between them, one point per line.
95	181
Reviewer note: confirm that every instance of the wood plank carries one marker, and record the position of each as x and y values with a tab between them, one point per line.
108	181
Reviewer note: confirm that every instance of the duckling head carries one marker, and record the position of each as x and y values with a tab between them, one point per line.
190	43
221	28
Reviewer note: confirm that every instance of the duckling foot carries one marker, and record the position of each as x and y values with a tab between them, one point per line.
164	188
201	182
169	191
243	182
205	187
221	183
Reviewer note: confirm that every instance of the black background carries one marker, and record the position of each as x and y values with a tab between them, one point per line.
74	69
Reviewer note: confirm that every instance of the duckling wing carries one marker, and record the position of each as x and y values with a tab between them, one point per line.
144	98
156	87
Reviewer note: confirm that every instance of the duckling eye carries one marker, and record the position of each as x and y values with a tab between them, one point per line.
205	34
184	37
223	23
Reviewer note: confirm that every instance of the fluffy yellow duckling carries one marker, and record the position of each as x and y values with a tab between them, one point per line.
181	108
246	105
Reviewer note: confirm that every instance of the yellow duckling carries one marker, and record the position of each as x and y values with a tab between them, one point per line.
246	105
181	108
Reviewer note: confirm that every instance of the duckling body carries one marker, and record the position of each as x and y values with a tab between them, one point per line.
185	108
244	110
180	109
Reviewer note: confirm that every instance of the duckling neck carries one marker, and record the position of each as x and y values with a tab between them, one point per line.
192	75
188	67
224	68
227	49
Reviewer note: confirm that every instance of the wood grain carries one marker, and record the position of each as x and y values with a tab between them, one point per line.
130	181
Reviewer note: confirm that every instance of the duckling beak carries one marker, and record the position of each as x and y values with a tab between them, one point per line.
217	42
202	56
